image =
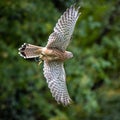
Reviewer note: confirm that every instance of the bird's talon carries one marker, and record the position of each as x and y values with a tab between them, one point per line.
40	62
41	55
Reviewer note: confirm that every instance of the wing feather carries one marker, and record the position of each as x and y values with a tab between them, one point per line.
55	76
64	29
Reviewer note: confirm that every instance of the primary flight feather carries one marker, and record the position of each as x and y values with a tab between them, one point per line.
54	54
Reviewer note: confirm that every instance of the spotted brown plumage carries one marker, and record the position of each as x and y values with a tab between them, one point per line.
54	54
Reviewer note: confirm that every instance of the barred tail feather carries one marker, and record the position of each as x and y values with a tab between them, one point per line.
30	51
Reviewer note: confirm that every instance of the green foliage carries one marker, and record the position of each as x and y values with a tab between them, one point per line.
93	75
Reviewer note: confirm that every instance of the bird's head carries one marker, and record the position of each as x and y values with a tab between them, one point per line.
69	54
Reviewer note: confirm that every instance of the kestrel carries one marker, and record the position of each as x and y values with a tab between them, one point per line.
54	54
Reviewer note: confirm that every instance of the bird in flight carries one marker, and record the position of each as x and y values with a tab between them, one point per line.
54	54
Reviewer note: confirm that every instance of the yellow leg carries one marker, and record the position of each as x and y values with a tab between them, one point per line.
40	61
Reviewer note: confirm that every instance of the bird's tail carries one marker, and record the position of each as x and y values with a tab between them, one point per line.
30	51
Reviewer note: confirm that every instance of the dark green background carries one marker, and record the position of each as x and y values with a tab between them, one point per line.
93	75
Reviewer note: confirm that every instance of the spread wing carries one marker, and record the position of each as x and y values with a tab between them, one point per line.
63	30
55	76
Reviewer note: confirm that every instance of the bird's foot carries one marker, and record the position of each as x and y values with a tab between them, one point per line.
39	62
41	56
40	59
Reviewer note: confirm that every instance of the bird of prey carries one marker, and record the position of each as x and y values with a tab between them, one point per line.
54	54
